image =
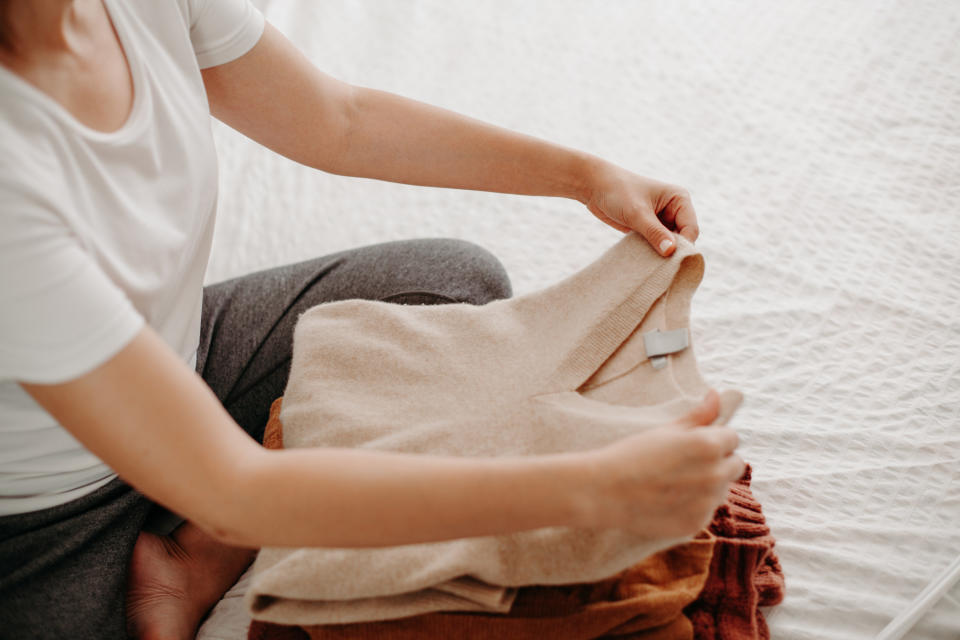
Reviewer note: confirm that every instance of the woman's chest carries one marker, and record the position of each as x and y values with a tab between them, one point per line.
89	77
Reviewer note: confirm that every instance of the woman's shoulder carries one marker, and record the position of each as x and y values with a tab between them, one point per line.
190	12
28	155
215	31
28	160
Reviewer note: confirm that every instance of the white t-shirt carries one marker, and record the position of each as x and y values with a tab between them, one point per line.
102	232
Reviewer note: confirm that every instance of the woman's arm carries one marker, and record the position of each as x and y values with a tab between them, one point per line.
276	96
155	422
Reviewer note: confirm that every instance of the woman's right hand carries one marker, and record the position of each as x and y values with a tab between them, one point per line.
667	481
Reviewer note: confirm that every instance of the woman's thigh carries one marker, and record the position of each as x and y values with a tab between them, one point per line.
246	334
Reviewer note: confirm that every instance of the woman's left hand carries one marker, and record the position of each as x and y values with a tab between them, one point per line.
656	210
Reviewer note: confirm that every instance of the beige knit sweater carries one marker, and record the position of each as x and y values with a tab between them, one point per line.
561	369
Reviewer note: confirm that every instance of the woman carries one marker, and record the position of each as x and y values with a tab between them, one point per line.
124	385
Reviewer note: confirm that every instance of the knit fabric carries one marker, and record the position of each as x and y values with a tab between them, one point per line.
745	572
561	369
645	601
743	575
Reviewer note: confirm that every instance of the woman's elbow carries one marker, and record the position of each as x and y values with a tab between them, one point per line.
235	515
230	533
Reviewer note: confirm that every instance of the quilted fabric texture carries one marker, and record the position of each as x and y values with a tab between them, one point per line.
821	144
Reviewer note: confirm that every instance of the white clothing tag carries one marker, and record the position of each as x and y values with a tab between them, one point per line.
659	344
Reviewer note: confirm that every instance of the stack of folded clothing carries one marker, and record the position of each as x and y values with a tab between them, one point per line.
709	588
599	356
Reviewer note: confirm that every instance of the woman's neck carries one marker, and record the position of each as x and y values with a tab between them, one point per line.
70	51
39	27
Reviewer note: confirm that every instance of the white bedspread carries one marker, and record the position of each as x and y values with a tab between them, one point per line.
821	143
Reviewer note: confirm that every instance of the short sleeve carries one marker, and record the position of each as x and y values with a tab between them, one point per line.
223	30
60	314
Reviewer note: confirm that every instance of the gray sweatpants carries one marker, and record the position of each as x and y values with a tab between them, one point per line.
63	570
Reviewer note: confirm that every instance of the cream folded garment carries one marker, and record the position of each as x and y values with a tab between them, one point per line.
563	369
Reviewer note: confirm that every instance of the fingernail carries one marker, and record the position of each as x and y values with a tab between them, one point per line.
665	246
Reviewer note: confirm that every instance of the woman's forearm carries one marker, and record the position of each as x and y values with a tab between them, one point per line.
355	498
152	419
397	139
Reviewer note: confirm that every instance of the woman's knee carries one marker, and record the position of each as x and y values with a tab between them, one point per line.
470	272
415	271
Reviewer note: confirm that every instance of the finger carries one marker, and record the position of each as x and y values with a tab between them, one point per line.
733	467
710	445
653	231
724	439
678	213
690	233
667	217
705	412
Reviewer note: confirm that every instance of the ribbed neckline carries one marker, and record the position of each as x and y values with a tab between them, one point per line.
613	329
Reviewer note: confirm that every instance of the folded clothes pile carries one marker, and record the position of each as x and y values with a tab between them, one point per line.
599	356
709	588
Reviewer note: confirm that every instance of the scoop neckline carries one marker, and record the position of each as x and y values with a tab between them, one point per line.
135	118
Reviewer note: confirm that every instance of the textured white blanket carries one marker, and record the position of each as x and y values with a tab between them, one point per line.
823	137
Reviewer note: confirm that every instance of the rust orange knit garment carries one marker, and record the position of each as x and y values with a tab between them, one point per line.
745	572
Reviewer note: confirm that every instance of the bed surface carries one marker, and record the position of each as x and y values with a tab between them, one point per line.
821	144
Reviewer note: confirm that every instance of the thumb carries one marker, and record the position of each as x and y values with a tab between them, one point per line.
659	237
704	413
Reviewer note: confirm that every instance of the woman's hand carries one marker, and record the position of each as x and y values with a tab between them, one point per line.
667	481
627	201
